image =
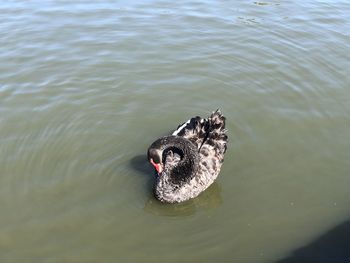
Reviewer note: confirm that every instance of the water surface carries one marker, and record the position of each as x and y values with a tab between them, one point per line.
86	87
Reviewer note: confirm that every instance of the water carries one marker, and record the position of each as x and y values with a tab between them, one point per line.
85	88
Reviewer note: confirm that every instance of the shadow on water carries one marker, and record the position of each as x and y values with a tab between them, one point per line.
209	199
332	247
141	165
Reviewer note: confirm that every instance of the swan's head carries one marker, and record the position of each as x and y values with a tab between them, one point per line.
155	158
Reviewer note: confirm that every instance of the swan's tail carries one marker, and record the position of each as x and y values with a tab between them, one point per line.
217	121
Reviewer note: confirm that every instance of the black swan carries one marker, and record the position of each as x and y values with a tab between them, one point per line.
189	160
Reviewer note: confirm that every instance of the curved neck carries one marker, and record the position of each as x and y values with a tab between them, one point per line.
186	168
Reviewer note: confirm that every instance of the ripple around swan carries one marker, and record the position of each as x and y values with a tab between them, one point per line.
86	87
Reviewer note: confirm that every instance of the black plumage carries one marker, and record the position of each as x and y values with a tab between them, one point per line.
189	160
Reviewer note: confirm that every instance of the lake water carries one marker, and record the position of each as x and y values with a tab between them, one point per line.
85	88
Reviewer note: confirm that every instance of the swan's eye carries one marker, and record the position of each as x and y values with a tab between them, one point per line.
156	159
154	154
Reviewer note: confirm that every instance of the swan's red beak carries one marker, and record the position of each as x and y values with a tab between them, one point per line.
156	166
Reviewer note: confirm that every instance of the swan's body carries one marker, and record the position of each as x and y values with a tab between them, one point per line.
188	161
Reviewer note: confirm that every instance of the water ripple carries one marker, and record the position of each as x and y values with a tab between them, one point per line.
86	87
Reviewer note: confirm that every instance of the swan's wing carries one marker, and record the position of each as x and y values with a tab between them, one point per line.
194	130
214	145
208	133
181	128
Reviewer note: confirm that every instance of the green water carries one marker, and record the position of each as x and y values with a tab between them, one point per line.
85	88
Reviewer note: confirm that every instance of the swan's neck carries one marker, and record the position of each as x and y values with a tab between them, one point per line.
181	170
185	169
